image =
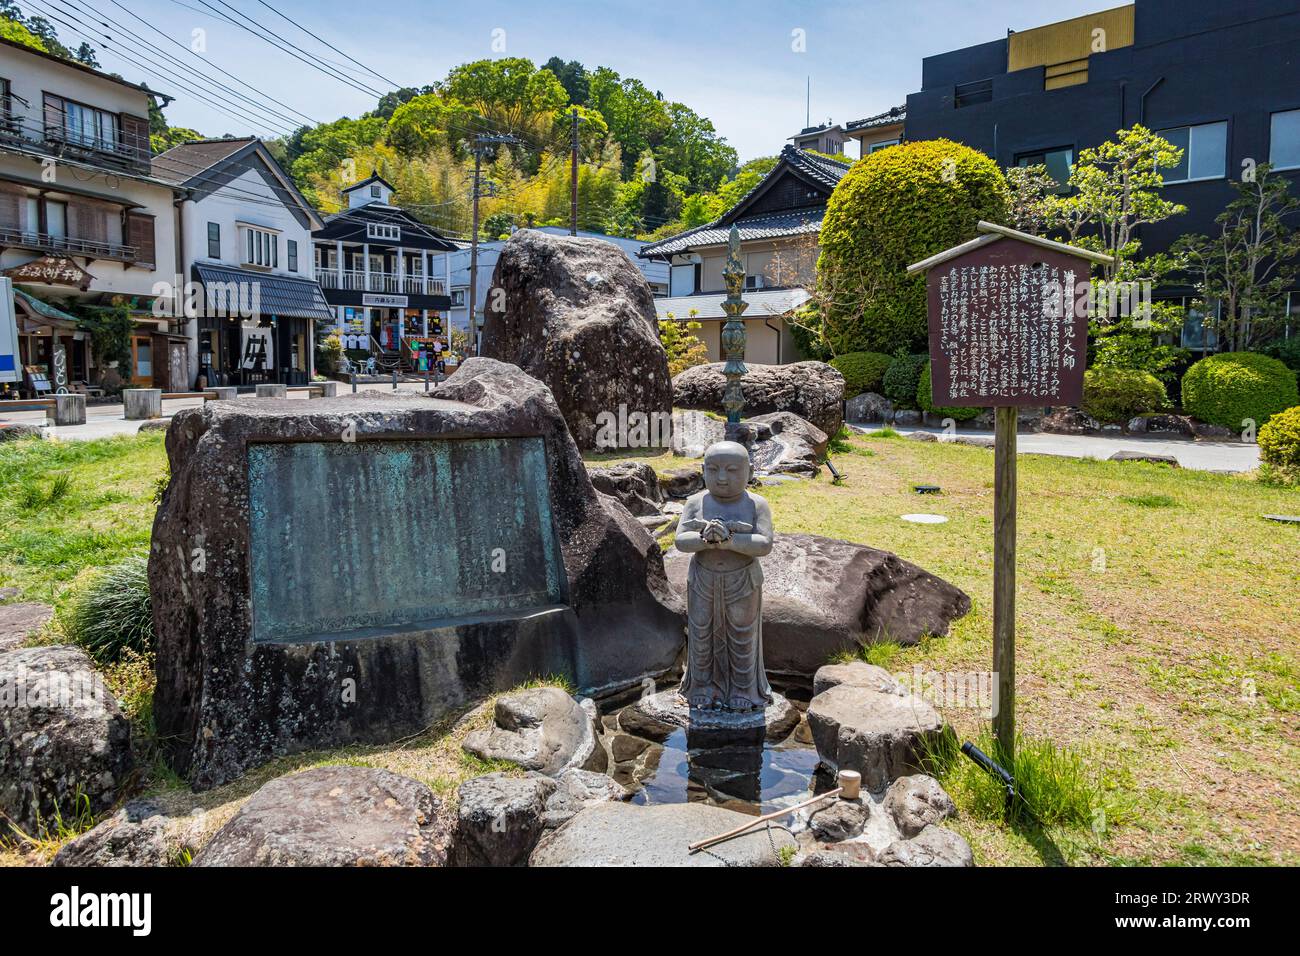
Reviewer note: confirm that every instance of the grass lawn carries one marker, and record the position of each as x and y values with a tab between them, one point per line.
1157	629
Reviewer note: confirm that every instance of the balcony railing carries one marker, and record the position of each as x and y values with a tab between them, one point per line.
120	150
69	245
356	280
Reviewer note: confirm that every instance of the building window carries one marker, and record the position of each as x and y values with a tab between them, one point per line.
1057	161
81	124
1284	140
1205	152
968	94
379	230
261	248
458	298
291	248
874	147
214	240
374	192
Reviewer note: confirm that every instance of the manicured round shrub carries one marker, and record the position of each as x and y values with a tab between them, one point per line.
862	371
902	378
925	398
1279	444
895	207
1114	395
109	612
1237	387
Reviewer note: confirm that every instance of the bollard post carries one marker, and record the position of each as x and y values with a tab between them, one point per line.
70	409
394	378
426	378
141	404
271	390
353	374
222	393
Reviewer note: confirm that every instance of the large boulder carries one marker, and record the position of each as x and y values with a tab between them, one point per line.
695	431
812	390
869	407
881	735
360	653
499	818
542	729
577	314
786	444
140	834
822	597
335	816
623	834
20	621
634	484
578	789
65	745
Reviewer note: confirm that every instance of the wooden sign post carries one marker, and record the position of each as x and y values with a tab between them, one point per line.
1008	323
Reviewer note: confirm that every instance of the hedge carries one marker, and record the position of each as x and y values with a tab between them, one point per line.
895	207
862	371
1234	388
902	379
1114	395
925	397
1279	445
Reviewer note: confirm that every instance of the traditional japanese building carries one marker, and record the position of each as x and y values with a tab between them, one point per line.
249	301
385	277
779	221
83	223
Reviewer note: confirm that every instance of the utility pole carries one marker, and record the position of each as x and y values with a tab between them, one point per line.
482	143
573	175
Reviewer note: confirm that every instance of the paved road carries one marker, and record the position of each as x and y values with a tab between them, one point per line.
1228	456
104	421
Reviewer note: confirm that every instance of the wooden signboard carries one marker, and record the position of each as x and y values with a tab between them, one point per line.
1008	323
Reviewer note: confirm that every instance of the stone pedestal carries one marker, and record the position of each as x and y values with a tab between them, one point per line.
223	393
142	403
658	716
326	389
272	390
69	409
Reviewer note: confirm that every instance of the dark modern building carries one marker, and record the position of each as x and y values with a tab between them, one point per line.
1221	80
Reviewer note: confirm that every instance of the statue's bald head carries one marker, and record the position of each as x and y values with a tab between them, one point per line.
726	469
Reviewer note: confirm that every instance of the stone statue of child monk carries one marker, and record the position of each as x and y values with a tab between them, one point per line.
727	529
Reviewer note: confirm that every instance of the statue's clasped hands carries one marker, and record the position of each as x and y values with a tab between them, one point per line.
715	532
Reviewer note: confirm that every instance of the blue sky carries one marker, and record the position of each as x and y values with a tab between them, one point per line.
731	61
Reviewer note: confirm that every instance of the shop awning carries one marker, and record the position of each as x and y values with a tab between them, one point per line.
41	313
276	294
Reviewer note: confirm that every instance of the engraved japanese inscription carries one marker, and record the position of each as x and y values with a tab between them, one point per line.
359	539
1008	326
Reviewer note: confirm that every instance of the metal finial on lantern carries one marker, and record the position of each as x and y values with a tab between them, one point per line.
733	335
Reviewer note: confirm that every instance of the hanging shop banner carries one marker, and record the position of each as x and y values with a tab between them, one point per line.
257	346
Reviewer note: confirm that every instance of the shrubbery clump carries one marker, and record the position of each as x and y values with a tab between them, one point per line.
862	371
109	613
1113	395
1279	446
925	398
1238	387
902	379
893	208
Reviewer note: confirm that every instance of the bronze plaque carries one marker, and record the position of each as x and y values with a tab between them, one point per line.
1008	325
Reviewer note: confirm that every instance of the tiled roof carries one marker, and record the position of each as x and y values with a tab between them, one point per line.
277	294
183	163
769	226
896	114
763	303
825	172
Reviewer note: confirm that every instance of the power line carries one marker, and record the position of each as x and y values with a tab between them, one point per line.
330	45
110	24
215	66
232	110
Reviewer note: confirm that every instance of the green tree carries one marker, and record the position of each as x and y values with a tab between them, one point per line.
572	76
893	208
1251	263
